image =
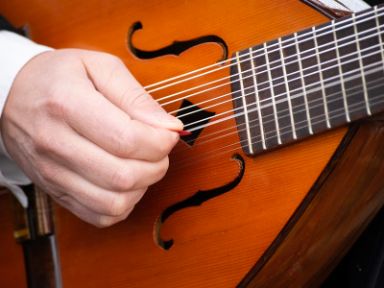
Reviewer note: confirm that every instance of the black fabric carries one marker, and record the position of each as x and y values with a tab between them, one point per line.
5	25
374	2
363	266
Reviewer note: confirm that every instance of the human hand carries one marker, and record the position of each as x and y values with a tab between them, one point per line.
83	129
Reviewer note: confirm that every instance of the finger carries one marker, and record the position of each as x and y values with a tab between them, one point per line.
104	124
114	81
88	215
94	198
95	164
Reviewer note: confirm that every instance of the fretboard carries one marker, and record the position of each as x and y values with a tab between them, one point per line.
310	81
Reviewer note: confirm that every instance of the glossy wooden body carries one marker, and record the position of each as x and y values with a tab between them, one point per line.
340	205
216	243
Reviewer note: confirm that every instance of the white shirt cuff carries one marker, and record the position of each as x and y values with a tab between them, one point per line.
15	52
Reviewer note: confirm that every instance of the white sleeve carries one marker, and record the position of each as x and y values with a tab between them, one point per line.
15	51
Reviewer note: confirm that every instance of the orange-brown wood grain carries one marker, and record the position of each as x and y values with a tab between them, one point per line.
338	208
216	243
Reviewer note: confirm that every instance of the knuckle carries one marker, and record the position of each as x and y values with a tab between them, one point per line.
125	143
47	171
174	138
118	206
122	179
104	221
113	67
113	60
44	170
122	204
137	96
44	142
167	144
56	104
163	150
107	221
162	168
61	198
134	96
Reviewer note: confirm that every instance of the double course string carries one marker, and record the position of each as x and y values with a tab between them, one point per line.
205	87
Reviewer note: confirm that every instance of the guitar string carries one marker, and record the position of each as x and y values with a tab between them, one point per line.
315	72
336	94
217	80
379	64
328	86
183	163
375	28
340	21
275	84
320	115
270	104
240	127
268	53
272	68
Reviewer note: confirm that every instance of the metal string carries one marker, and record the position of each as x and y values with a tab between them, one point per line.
299	125
238	130
248	54
217	153
262	66
280	101
315	72
266	117
282	82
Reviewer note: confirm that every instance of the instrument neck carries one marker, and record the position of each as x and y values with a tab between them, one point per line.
305	83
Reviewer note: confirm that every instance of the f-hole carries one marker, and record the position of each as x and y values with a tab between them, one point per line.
196	199
176	47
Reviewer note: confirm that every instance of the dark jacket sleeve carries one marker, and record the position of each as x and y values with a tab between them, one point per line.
6	25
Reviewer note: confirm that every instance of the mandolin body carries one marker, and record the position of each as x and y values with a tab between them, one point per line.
216	243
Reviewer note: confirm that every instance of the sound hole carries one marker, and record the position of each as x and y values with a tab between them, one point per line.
194	119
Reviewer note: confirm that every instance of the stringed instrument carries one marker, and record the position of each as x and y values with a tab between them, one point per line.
233	209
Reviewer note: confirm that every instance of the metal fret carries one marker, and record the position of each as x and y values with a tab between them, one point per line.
348	51
244	105
379	32
347	116
361	66
289	100
303	84
309	81
257	97
330	70
321	79
368	45
272	95
310	65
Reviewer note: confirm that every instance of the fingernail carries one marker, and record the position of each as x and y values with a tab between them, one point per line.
184	133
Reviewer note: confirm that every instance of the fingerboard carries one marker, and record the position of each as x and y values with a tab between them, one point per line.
308	82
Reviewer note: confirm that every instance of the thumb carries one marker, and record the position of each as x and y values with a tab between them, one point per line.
110	77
